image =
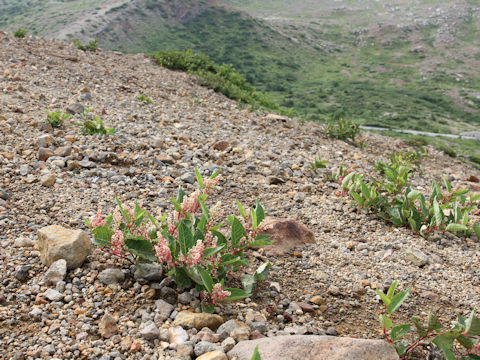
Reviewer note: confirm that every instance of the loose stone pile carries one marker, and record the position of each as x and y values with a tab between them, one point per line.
71	301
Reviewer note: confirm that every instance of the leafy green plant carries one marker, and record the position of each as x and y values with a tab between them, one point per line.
56	118
346	130
447	150
318	163
466	332
92	124
20	33
256	354
91	46
221	78
192	243
392	198
145	99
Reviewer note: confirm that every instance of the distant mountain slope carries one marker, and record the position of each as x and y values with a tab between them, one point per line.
392	63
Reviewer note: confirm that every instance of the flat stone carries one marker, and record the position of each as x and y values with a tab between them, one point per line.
221	145
44	154
53	295
63	151
187	319
75	108
56	242
23	242
177	335
226	329
111	276
213	355
164	309
286	234
149	272
48	180
55	273
108	326
416	257
204	347
149	330
21	273
311	347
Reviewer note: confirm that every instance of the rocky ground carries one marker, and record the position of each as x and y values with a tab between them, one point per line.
59	176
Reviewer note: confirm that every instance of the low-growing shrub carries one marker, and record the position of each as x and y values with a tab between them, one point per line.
56	118
318	163
20	33
145	99
221	78
91	46
391	197
345	130
193	242
447	150
465	333
92	124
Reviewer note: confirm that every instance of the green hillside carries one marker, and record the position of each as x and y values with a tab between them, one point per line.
390	63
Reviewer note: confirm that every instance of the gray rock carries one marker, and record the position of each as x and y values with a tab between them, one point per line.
87	164
24	169
75	108
149	330
185	298
416	257
44	153
23	242
149	272
111	276
55	273
36	314
204	347
21	273
56	242
48	180
228	344
108	326
164	309
188	178
312	347
53	295
228	327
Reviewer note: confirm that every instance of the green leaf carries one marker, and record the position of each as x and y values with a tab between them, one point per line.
448	186
412	223
476	229
215	174
421	330
122	211
206	279
102	235
256	354
221	240
176	205
185	237
456	227
413	195
254	219
180	195
240	208
445	343
210	308
261	240
399	331
248	283
438	213
391	289
400	347
260	213
262	271
238	232
357	198
397	300
346	180
236	294
212	251
199	178
384	297
472	325
466	342
433	323
385	321
141	248
473	357
237	261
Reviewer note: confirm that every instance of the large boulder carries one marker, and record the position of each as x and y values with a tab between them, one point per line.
286	234
312	347
56	242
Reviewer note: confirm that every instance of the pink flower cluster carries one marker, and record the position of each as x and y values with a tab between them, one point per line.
218	293
194	255
209	184
162	251
117	241
98	220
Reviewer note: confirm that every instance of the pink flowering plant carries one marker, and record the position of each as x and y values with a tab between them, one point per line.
192	242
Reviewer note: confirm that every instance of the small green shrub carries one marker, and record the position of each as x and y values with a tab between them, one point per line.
466	332
92	124
447	150
144	99
391	197
91	46
193	243
345	130
56	118
221	78
20	33
475	159
318	164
